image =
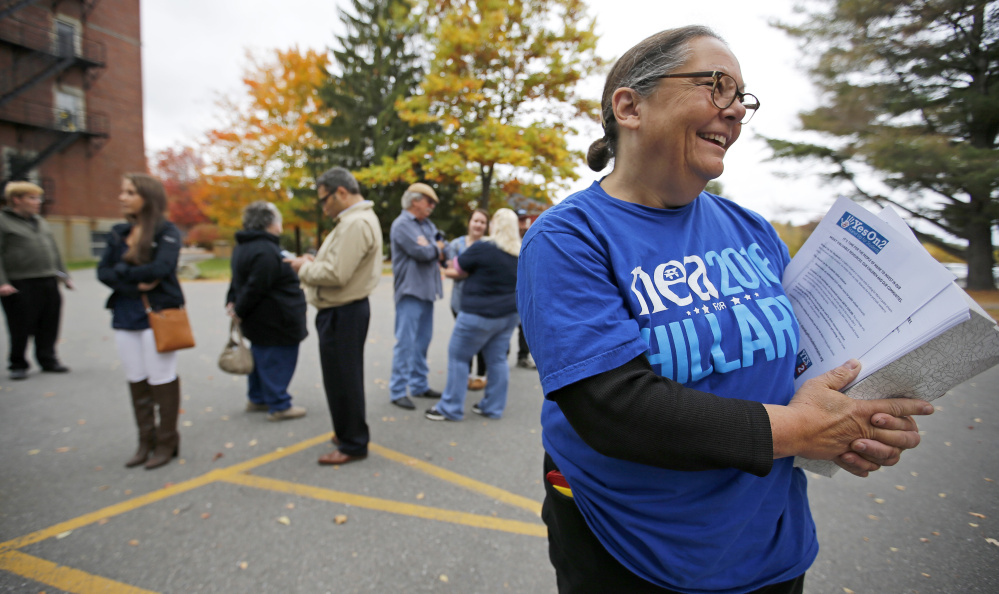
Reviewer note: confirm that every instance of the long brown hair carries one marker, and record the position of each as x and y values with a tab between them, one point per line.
149	218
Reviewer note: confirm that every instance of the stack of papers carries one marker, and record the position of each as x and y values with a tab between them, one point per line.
863	287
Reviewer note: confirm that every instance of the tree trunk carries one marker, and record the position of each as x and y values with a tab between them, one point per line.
486	175
979	235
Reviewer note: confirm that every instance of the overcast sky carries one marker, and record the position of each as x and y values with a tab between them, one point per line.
194	52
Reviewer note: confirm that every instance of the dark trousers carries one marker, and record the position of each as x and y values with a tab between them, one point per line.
342	332
583	565
522	350
33	311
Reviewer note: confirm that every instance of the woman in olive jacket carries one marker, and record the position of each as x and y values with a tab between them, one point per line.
266	299
141	258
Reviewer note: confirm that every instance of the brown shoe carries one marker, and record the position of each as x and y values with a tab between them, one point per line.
254	407
292	412
476	383
337	457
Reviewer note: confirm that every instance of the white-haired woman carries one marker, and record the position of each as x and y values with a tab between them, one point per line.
265	296
486	321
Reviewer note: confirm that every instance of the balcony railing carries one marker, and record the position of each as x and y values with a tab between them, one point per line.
60	45
54	118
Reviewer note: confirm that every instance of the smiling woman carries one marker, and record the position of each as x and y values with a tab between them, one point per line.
666	349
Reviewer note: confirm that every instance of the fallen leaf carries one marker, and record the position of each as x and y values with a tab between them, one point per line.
935	533
977	420
340	519
973	525
208	409
103	487
81	422
98	468
224	417
848	591
252	443
176	511
180	411
133	542
453	443
870	517
420	495
284	520
988	479
924	540
914	473
982	516
290	506
243	564
205	516
926	575
128	491
947	443
992	541
217	456
62	450
900	487
102	521
867	539
33	452
229	445
187	424
893	549
941	495
63	535
879	500
443	578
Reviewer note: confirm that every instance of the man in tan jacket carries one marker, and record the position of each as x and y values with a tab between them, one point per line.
337	281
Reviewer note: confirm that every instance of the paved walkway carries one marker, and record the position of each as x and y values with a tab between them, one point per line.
437	507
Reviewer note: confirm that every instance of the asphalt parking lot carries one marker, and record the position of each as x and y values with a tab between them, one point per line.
436	507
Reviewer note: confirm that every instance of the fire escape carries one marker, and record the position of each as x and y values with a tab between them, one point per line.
39	55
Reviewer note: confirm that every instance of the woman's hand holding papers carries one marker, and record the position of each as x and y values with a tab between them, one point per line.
860	436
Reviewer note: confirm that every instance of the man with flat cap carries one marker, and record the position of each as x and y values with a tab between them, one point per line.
417	250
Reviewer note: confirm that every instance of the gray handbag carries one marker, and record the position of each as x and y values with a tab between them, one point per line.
236	357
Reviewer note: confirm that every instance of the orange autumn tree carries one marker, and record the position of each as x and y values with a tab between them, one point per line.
180	171
260	152
501	90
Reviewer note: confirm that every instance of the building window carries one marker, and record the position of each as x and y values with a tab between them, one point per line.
69	109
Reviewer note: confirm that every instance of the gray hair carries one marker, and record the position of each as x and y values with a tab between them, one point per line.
408	197
260	215
338	177
639	69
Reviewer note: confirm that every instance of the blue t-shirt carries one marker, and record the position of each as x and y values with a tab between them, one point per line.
697	290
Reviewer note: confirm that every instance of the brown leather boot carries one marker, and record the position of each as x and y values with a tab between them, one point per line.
167	398
145	420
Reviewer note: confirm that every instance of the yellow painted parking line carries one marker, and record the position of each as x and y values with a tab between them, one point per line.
159	494
64	578
387	505
459	479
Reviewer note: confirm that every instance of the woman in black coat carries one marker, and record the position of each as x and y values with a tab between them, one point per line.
265	298
141	258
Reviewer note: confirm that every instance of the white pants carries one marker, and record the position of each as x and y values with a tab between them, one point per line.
137	350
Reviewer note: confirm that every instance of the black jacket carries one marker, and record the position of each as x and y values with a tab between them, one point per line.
127	310
266	292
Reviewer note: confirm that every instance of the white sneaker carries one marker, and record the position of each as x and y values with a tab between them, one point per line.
527	362
294	412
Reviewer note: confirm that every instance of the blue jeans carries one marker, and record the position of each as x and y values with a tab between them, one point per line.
414	327
273	367
473	333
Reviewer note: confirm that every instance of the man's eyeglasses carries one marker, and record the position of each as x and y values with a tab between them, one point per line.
724	91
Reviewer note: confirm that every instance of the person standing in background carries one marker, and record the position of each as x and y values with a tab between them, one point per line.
524	358
338	281
417	250
478	223
265	298
30	270
141	258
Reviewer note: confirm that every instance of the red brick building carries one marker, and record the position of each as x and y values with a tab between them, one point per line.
71	109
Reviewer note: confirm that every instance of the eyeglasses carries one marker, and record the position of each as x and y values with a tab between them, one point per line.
724	91
322	198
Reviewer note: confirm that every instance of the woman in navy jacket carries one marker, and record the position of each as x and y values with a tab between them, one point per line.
266	298
141	257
